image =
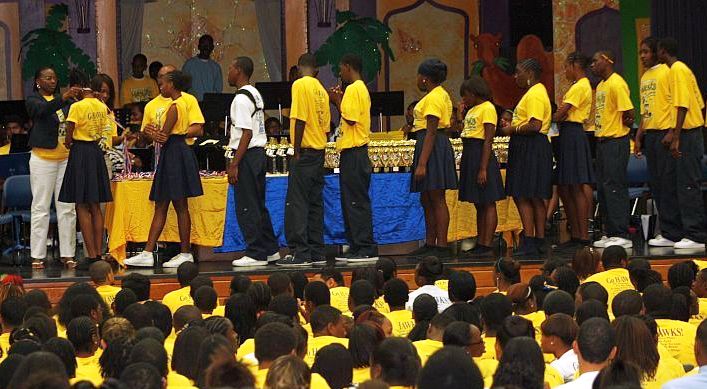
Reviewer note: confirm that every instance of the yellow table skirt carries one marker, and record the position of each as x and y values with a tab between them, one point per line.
129	216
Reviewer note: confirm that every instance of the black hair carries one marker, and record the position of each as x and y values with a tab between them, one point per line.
658	301
239	284
424	308
39	366
38	298
104	78
206	298
95	83
651	43
141	376
353	60
328	272
562	326
154	67
43	326
701	336
540	286
638	263
595	340
279	283
363	339
450	368
613	256
434	69
272	317
241	311
362	293
299	281
197	282
180	80
619	374
138	283
186	315
227	372
509	269
370	274
398	360
218	325
462	286
317	293
123	299
579	59
594	291
153	333
82	332
186	272
464	312
395	292
680	307
12	311
670	45
138	315
206	37
140	56
185	355
245	64
78	78
645	278
431	269
441	321
8	367
285	305
24	347
521	365
152	352
161	316
274	340
559	301
272	120
514	327
322	316
532	65
476	86
115	357
259	292
307	60
589	309
458	334
334	363
682	274
627	302
566	279
387	267
494	308
83	305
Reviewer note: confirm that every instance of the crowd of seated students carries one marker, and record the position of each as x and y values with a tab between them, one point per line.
594	322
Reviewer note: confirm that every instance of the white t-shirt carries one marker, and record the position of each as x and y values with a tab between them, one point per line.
439	294
567	365
584	381
241	110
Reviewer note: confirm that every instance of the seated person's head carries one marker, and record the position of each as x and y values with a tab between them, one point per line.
559	301
506	272
566	279
494	309
387	267
450	368
513	327
272	341
465	335
152	352
280	283
139	284
596	341
551	264
316	294
658	301
139	316
260	293
429	270
87	305
197	282
522	299
643	278
185	315
330	276
101	273
161	316
395	361
273	127
288	371
286	305
589	309
334	363
142	376
395	293
123	299
82	332
14	125
437	326
586	262
462	286
12	312
682	274
558	331
701	344
206	299
327	320
591	290
614	257
361	293
239	284
115	329
627	302
186	272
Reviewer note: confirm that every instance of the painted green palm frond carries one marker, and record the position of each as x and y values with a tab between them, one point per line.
57	16
477	67
503	63
344	16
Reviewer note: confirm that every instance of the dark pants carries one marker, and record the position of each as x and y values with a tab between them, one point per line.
686	180
253	216
661	169
612	184
304	210
354	181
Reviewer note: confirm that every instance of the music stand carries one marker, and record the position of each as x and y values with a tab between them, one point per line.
217	106
13	107
387	104
14	164
276	95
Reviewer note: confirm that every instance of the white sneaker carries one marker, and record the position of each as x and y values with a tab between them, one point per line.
144	259
618	241
601	243
688	244
273	258
660	241
246	261
178	260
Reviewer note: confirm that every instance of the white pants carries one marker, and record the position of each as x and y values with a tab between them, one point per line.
46	178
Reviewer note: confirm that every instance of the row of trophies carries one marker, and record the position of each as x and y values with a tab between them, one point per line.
385	156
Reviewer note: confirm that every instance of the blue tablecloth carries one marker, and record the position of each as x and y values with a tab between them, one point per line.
397	213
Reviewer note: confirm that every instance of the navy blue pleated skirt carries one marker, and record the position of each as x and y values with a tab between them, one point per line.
574	157
86	177
177	175
441	167
529	173
469	190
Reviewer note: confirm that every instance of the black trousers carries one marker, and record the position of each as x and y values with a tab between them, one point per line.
661	169
612	184
304	208
354	182
253	216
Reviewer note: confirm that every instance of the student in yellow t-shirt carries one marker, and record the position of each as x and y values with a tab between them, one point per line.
687	147
529	174
82	332
12	312
395	361
480	180
574	164
138	88
176	160
435	334
468	337
338	290
327	327
13	125
355	167
615	277
101	275
700	289
494	308
363	339
433	166
678	337
395	293
519	348
175	299
309	124
614	115
86	182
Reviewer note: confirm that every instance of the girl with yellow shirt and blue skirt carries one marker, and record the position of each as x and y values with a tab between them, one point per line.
574	159
433	166
480	180
86	181
529	175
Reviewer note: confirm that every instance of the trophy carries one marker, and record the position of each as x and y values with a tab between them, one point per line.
271	152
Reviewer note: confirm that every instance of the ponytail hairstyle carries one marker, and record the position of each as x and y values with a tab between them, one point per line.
398	361
509	269
431	269
424	308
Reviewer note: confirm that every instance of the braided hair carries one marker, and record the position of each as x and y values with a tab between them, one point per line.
533	66
579	59
82	332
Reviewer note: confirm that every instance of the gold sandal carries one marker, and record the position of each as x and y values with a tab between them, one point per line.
69	263
37	264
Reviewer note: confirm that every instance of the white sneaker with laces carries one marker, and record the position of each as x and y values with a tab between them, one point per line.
178	260
618	241
274	257
144	259
601	243
688	244
660	241
246	261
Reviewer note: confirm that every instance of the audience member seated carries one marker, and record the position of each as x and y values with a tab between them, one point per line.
12	312
82	332
521	364
423	310
591	291
595	347
524	304
558	301
495	308
468	337
589	309
628	302
14	125
678	337
615	278
206	299
139	284
280	284
559	332
102	277
566	279
338	291
618	374
396	293
334	363
506	272
375	277
363	339
586	262
429	270
395	361
682	274
450	368
123	299
435	334
327	328
698	380
186	272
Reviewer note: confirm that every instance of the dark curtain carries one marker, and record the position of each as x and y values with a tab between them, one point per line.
684	20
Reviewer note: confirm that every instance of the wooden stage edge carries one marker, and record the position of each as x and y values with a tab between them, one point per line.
164	283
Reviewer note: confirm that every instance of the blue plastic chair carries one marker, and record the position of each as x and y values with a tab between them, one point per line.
17	199
637	174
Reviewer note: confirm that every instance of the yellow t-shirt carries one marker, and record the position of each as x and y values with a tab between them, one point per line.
613	99
5	150
442	284
88	369
478	115
579	96
535	104
614	281
178	381
355	107
380	305
427	347
487	367
317	342
182	124
700	264
155	111
108	293
109	131
177	299
310	104
686	94
5	344
668	369
60	152
90	118
402	322
702	314
317	381
436	103
137	90
193	113
656	107
340	298
246	348
678	337
490	347
169	344
361	375
219	311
